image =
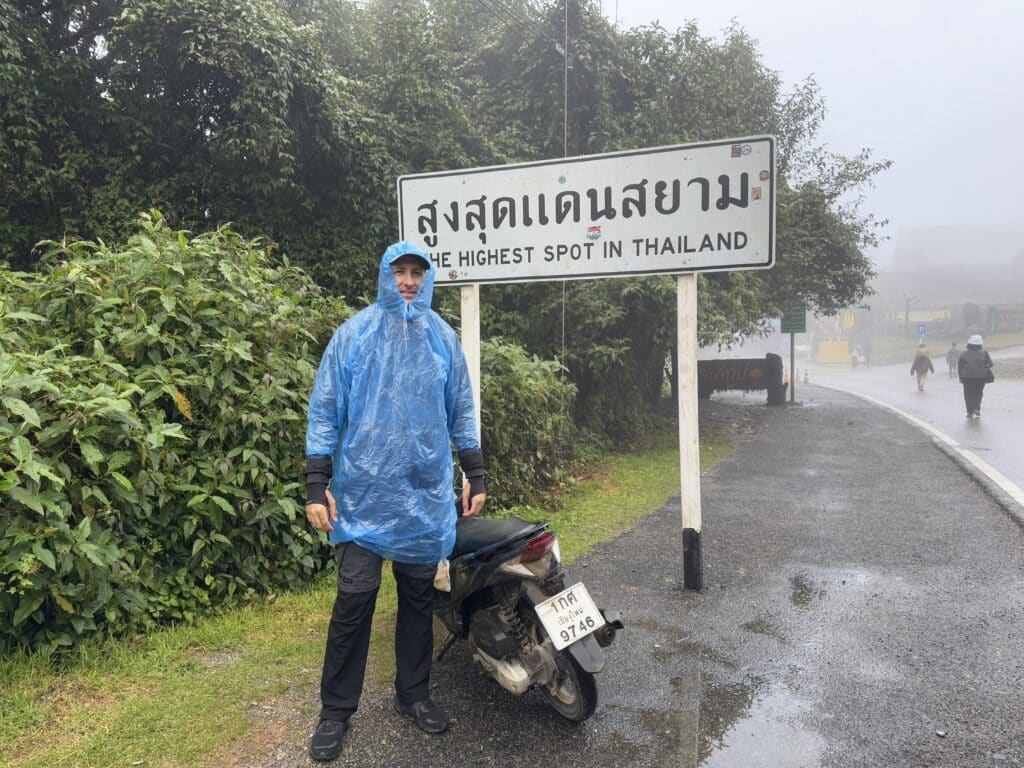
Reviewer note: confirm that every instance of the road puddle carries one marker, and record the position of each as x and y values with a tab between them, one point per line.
755	726
723	724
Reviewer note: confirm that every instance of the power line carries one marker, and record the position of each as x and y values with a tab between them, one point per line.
565	94
536	21
513	22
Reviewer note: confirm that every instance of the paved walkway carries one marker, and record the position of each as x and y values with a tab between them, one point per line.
863	606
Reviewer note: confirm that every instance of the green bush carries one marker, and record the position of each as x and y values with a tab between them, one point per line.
152	425
527	432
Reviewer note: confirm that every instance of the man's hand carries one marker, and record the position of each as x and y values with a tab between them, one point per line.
472	507
320	517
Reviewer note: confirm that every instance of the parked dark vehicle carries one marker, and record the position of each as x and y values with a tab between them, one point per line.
745	374
510	603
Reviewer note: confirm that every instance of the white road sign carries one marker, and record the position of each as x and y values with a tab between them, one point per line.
684	208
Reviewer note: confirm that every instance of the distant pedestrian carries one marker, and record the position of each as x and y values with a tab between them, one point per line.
921	366
867	354
974	367
855	356
952	356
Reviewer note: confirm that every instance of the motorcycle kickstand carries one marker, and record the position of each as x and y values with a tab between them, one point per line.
448	643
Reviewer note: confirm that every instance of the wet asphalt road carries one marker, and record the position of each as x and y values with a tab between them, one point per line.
997	437
863	606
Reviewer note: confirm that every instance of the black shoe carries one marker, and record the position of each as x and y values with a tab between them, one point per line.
428	715
327	740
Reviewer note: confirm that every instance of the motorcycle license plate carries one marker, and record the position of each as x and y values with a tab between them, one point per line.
569	616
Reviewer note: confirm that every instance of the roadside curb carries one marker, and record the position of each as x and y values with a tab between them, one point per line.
1001	497
963	458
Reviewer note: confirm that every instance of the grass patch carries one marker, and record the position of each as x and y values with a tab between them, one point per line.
887	350
183	696
618	491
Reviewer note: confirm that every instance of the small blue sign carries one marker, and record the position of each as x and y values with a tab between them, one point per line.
922	329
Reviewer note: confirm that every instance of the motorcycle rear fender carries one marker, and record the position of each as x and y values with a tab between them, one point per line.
588	654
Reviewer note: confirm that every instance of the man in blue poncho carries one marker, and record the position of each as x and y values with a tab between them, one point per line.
391	395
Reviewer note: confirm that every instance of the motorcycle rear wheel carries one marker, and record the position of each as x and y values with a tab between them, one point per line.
576	697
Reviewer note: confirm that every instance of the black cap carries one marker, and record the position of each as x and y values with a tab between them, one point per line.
416	256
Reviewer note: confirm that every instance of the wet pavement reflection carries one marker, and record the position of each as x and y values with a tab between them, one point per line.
765	731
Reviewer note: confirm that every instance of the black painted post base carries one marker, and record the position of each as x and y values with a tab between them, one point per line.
693	570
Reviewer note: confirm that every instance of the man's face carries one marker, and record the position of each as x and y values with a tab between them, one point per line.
409	273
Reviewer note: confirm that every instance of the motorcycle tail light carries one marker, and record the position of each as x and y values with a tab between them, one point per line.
537	547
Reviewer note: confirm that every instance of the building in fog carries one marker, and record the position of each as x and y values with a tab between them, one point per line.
940	266
950	280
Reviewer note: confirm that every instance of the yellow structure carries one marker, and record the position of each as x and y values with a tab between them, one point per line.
834	352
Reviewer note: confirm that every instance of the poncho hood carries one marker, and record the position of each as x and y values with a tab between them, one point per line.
388	297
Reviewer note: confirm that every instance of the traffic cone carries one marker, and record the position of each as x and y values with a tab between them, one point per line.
806	378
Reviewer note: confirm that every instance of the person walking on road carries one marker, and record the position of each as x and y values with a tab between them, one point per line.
391	396
952	356
975	370
921	366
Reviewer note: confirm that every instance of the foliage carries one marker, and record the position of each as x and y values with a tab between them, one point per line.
527	429
615	343
214	112
151	434
293	120
152	424
55	133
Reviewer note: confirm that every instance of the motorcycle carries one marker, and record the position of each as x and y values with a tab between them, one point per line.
509	601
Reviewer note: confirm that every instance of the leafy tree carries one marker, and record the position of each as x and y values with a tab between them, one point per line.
245	121
217	111
527	432
56	129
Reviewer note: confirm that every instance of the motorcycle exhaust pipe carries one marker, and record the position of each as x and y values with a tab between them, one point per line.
613	623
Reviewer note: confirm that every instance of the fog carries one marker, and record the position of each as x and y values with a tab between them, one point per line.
932	85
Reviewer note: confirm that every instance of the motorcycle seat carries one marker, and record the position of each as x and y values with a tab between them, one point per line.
476	533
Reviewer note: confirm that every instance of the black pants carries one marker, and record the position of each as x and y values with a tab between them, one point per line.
348	636
973	390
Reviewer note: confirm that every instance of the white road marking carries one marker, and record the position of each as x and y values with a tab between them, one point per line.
1008	486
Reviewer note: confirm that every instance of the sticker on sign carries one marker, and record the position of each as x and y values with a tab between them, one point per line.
664	210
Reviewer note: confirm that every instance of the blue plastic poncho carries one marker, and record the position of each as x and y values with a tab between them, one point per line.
391	395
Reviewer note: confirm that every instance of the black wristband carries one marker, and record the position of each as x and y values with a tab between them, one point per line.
318	476
316	493
472	462
477	486
320	465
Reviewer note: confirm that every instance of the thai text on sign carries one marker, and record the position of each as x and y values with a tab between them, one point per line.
684	208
